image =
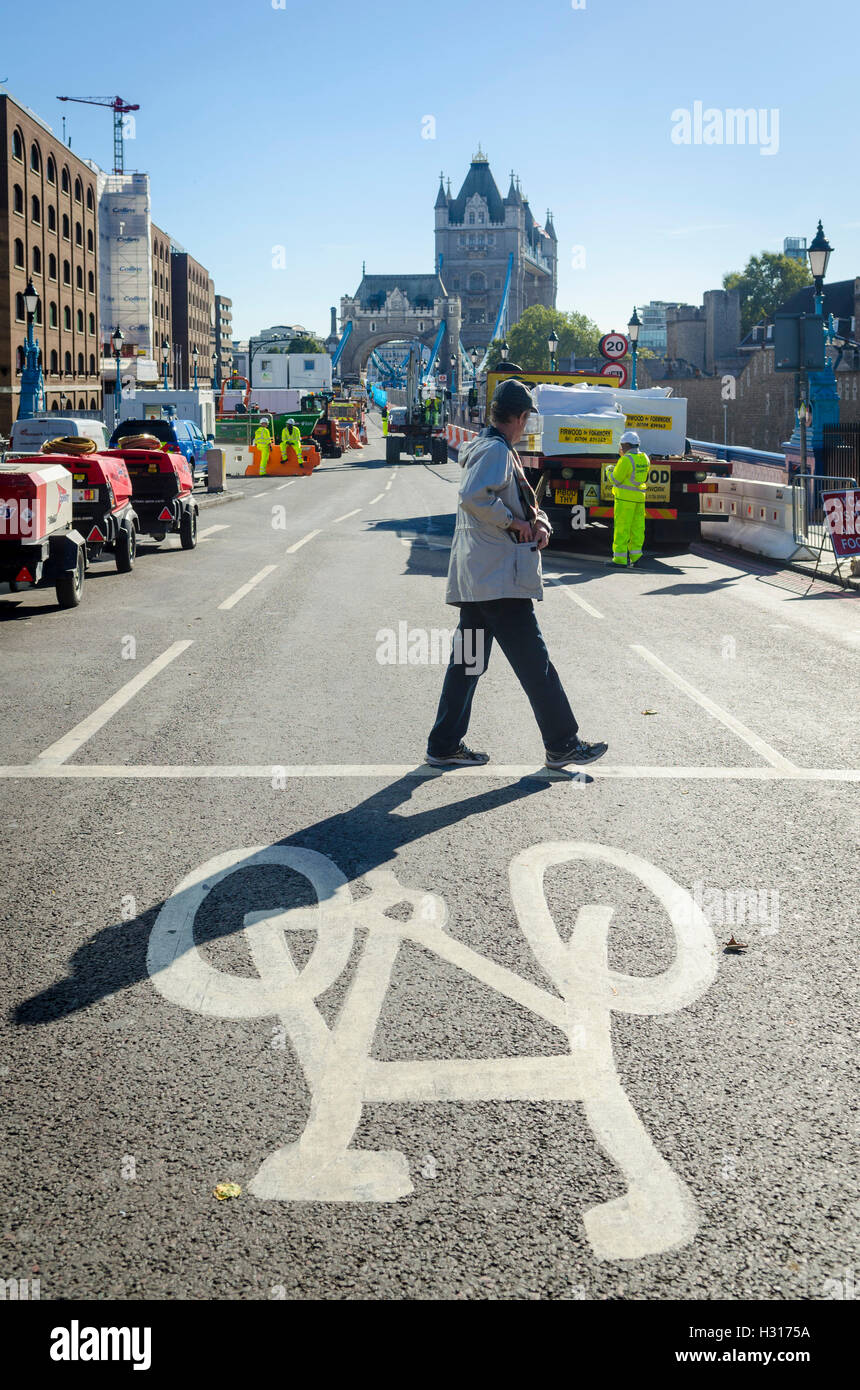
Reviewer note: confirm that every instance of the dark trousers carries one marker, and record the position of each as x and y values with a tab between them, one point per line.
513	624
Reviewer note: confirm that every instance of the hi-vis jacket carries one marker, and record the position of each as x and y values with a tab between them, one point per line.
629	476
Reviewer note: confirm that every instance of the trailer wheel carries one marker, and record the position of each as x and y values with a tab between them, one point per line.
188	529
157	536
392	449
126	548
70	584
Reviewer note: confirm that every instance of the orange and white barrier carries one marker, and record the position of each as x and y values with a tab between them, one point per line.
759	518
456	435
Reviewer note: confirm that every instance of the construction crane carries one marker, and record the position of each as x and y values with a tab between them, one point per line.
119	108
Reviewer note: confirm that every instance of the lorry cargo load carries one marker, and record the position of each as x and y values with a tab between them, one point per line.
659	419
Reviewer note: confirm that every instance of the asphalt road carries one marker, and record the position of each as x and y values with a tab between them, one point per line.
455	1076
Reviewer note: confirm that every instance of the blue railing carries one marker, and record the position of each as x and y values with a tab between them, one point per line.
737	453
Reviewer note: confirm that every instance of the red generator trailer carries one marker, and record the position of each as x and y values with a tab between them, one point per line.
161	489
101	499
39	544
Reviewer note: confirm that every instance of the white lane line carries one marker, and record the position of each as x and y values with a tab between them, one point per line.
574	597
246	588
390	771
388	484
289	484
375	499
72	741
260	494
210	530
291	549
346	515
753	741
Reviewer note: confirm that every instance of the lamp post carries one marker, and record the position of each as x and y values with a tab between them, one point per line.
820	396
32	381
819	252
117	346
552	344
633	327
165	358
504	349
195	353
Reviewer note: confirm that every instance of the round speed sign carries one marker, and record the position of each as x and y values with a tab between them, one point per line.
616	370
614	346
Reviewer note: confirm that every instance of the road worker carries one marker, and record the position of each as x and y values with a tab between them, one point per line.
384	413
291	438
263	442
629	477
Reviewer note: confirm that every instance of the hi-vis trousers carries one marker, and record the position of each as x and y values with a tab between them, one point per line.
629	531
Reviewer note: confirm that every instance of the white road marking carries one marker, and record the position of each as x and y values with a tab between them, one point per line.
76	737
763	749
289	484
346	515
388	484
291	549
657	1212
573	596
375	499
210	530
506	772
246	588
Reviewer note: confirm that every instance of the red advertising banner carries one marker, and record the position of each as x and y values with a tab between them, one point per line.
842	512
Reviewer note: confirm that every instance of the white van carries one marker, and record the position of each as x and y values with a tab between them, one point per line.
28	436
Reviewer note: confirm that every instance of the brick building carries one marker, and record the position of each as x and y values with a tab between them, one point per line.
48	232
162	299
193	315
223	339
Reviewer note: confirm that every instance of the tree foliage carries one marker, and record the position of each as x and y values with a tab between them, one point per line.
306	343
765	283
527	340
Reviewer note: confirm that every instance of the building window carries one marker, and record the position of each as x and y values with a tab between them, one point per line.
477	283
93	405
67	317
52	219
55	361
497	284
471	218
52	266
17	145
19	254
35	159
37	261
79	191
79	234
52	169
67	273
79	277
91	282
52	314
18	199
80	320
36	209
92	364
64	180
67	364
20	314
65	226
90	200
81	369
481	217
90	243
92	323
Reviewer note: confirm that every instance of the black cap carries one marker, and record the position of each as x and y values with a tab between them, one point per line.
512	397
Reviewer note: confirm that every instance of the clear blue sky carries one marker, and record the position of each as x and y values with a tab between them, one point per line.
578	101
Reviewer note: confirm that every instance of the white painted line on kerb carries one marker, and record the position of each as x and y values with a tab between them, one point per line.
574	597
246	588
346	515
291	549
283	485
763	749
375	499
210	530
73	740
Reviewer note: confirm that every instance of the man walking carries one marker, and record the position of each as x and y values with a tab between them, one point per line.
629	478
493	577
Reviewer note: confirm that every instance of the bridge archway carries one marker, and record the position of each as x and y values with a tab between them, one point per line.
362	342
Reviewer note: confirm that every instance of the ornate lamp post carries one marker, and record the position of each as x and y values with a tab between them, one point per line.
195	353
32	381
552	344
165	358
117	348
633	326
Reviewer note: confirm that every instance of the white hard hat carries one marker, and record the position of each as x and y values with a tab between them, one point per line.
630	437
264	419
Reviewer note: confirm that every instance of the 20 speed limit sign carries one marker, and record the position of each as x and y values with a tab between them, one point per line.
614	346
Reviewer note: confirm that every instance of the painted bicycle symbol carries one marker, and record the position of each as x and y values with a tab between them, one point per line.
656	1213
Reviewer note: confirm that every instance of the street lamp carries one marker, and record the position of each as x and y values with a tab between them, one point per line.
453	375
195	353
552	344
504	349
633	326
117	346
474	354
165	358
32	381
819	256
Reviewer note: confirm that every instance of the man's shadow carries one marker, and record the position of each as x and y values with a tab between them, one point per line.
362	838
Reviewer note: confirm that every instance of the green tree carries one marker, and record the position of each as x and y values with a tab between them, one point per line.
306	343
527	340
765	283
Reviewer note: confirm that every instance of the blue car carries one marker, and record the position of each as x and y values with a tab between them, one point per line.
184	434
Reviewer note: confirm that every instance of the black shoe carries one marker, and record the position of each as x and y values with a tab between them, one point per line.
577	752
461	757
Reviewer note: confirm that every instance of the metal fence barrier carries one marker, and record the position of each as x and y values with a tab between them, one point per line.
810	525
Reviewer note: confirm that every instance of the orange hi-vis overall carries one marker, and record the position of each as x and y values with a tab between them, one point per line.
629	476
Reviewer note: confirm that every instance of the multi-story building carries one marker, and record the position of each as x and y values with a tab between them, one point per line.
795	248
652	334
162	305
478	235
48	233
223	345
127	279
193	314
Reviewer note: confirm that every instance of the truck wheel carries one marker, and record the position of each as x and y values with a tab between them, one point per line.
70	584
188	529
157	536
392	449
126	548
